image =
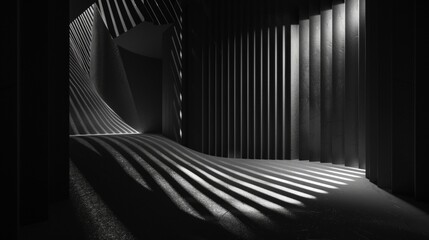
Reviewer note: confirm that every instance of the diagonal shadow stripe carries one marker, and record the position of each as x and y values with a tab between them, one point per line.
132	204
214	209
256	181
236	200
167	175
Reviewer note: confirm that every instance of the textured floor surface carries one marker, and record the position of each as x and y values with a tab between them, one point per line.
148	187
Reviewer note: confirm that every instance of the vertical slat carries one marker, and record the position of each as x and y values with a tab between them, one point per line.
294	91
403	101
266	92
216	80
351	86
372	92
256	84
209	95
236	54
202	103
362	85
384	178
251	82
279	83
304	70
273	87
222	82
231	109
315	82
245	77
293	18
326	81
285	136
243	85
338	80
261	84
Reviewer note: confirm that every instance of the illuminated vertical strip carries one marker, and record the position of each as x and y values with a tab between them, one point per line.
338	81
304	85
294	83
315	141
352	85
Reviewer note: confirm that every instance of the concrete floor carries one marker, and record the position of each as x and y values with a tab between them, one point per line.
148	187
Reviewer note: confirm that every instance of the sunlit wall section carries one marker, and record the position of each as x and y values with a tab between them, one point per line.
338	81
351	145
294	81
304	86
315	94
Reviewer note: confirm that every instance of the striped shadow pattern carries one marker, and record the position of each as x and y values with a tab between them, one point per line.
89	113
238	199
122	15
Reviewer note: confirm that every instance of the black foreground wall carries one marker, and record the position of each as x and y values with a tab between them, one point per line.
34	98
393	158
